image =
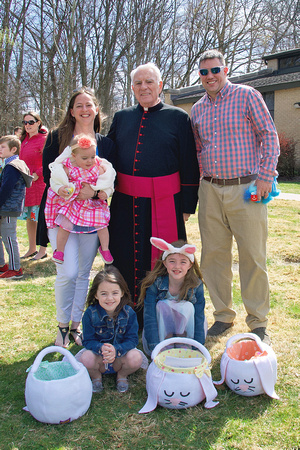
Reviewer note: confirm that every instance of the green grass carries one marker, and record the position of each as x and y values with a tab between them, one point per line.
289	187
27	325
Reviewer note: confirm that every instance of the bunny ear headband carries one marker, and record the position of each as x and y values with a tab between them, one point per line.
187	250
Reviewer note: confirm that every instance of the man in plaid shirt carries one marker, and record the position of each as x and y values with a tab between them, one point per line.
237	144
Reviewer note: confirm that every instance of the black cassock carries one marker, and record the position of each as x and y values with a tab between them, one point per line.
150	143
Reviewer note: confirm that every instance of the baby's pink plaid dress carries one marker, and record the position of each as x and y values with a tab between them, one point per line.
77	216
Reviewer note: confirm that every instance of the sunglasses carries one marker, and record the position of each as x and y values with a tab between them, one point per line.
214	70
29	122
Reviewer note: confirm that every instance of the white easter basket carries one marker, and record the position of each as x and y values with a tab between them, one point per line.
179	378
57	392
249	366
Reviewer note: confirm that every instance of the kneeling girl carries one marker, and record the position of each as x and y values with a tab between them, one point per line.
110	331
172	296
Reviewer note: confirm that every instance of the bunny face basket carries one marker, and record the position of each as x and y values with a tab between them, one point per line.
248	366
57	392
179	378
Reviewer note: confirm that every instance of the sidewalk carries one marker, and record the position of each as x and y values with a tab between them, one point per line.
284	196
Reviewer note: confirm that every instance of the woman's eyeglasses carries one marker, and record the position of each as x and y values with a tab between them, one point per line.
29	122
214	70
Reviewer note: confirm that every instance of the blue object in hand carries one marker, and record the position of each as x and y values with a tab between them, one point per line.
250	193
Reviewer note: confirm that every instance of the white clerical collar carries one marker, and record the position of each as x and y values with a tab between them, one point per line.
146	108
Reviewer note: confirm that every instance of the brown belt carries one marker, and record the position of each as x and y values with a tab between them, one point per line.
231	181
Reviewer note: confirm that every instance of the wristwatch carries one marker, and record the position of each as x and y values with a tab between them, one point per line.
95	196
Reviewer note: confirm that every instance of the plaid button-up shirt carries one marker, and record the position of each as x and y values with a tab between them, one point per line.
235	134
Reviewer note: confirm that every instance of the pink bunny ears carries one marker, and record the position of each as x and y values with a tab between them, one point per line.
187	250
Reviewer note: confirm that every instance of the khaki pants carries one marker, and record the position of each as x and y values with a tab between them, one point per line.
223	213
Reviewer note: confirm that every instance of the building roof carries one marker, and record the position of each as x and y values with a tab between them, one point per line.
266	80
285	54
275	82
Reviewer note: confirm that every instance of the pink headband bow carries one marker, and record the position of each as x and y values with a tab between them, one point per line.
187	250
83	142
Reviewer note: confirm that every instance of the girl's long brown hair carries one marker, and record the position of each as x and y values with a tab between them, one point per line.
112	275
191	279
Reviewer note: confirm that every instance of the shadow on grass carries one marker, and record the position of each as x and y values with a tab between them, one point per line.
112	420
41	268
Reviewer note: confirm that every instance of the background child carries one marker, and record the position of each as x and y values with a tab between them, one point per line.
14	178
76	165
18	132
172	295
110	331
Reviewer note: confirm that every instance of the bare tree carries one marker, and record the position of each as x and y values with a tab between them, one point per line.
50	47
282	26
12	18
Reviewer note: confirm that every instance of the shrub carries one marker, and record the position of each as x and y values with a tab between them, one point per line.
287	160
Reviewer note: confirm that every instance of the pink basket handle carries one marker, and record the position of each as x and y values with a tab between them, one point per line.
55	349
178	340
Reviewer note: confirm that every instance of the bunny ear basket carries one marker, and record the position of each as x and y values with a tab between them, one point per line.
249	366
179	378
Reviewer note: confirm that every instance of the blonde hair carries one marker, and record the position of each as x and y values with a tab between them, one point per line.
191	280
80	141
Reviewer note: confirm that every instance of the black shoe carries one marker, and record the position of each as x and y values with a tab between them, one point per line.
64	331
219	328
262	334
28	256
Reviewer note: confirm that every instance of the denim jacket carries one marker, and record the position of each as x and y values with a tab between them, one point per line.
158	291
99	328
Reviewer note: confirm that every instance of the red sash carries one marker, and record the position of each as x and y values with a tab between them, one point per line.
161	191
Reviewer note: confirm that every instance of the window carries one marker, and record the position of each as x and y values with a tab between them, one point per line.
289	62
269	99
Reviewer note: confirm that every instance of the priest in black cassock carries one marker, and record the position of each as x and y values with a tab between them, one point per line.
157	177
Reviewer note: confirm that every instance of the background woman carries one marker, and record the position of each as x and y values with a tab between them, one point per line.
72	279
33	139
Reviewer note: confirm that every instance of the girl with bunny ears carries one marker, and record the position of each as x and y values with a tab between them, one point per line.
172	296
